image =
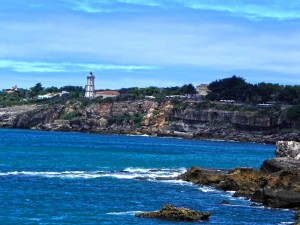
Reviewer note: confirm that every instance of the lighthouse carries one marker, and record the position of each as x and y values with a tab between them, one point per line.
90	87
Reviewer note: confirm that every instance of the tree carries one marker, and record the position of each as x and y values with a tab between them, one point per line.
72	88
35	90
267	91
233	88
289	95
188	89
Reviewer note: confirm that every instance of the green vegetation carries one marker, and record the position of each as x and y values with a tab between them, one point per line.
159	93
237	89
70	115
293	114
234	88
22	96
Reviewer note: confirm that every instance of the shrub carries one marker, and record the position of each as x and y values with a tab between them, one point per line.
293	113
70	115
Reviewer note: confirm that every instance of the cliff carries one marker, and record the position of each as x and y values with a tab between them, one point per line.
149	117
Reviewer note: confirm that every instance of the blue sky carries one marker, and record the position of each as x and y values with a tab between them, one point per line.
141	43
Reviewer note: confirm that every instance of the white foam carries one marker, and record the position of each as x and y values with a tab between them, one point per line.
124	213
128	173
177	182
207	189
154	173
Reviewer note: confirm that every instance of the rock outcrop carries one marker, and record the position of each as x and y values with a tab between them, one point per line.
297	218
278	190
279	164
169	212
29	116
288	149
276	184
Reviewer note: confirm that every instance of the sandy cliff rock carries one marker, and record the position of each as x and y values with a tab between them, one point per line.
276	184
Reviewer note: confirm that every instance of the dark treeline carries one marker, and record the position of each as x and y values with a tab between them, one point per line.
237	89
158	93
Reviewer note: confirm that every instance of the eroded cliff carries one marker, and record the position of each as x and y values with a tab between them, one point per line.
148	117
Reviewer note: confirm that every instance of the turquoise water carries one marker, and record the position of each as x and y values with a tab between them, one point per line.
75	178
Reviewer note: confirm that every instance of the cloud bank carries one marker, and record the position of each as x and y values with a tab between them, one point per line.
46	67
276	9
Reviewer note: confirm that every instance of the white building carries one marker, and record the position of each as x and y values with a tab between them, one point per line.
202	89
90	87
46	96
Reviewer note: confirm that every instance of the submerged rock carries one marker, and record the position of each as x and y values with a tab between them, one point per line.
169	212
224	202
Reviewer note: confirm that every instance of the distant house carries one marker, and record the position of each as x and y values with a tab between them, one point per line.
106	94
227	101
176	96
12	90
265	105
149	97
46	96
9	91
202	89
51	95
63	93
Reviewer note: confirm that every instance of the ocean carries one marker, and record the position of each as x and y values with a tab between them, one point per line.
80	178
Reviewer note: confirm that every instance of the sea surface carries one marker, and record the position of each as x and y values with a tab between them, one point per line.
76	178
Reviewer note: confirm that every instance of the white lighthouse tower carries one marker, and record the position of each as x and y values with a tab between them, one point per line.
90	87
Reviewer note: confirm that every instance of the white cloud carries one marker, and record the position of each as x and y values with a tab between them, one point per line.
46	67
180	39
161	41
276	9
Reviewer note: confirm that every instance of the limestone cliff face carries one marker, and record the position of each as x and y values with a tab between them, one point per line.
145	117
236	118
28	116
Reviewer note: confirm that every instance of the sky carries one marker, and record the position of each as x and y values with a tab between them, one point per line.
142	43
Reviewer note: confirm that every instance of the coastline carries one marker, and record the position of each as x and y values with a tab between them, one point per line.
148	118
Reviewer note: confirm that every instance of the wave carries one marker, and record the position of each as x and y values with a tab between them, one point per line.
207	189
124	213
128	173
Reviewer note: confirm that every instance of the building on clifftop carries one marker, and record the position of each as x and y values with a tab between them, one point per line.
202	90
90	87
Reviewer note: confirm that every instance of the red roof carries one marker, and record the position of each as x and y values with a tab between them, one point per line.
107	93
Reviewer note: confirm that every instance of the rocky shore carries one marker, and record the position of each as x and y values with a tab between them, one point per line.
276	184
150	118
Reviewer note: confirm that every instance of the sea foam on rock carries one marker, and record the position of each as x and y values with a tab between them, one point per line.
276	184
